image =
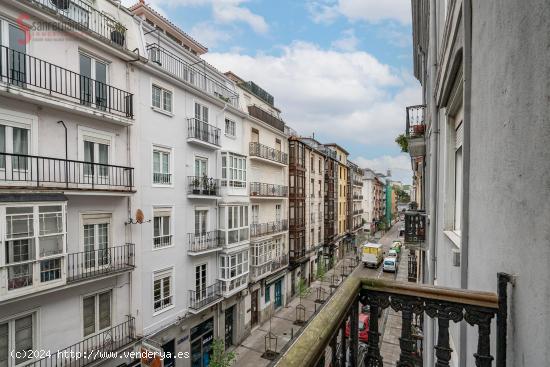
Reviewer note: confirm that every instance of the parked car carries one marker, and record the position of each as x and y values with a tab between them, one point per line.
393	253
363	328
396	245
390	264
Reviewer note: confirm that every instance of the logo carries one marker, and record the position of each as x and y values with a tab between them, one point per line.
25	28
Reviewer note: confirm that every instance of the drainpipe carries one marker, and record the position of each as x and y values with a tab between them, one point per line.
434	137
467	92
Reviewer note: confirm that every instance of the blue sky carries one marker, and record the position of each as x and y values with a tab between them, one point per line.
339	68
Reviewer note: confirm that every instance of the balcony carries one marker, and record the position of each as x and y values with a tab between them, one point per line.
264	229
29	171
415	227
323	340
198	301
233	237
80	15
203	187
92	264
257	150
202	133
297	223
191	75
259	190
25	74
260	271
415	129
298	255
266	117
95	347
203	243
234	285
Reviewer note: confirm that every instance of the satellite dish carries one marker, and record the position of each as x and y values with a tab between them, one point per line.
139	216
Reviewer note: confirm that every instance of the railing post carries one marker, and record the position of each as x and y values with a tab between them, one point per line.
37	174
343	350
502	315
354	332
481	318
373	357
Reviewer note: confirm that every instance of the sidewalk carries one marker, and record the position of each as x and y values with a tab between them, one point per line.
249	352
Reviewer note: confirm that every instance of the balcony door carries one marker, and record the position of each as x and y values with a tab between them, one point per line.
14	141
17	56
255	214
201	117
201	224
93	82
96	237
255	136
96	154
200	282
200	181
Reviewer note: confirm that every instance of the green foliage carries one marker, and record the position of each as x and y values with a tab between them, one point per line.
321	271
303	289
403	142
221	358
402	196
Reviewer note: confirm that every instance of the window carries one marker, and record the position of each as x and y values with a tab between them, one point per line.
162	290
312	188
161	98
200	281
97	153
201	222
17	340
33	232
255	214
233	170
236	224
255	136
277	212
96	233
17	61
201	112
458	178
230	128
162	166
262	252
96	311
162	237
234	265
312	165
267	293
320	167
93	82
14	141
320	185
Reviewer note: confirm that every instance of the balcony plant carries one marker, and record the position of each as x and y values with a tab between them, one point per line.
117	34
205	185
418	130
61	4
196	183
212	187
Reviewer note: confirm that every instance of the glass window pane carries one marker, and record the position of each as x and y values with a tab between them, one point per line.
156	95
4	340
104	310
23	338
89	315
156	162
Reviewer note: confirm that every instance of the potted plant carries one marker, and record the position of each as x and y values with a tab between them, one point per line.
117	34
418	129
196	183
213	188
61	4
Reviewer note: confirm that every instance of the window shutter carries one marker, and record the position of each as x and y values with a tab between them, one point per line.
459	135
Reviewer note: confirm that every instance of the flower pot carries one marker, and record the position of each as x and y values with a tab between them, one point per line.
117	37
418	129
61	4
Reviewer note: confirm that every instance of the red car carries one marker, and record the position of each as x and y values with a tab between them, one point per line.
363	328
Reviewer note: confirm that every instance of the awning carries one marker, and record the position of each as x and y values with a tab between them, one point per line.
31	197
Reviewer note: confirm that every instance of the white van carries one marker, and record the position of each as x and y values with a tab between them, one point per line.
390	264
372	254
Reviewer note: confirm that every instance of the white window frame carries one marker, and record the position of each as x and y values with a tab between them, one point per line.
226	267
94	60
234	170
166	214
230	127
163	92
96	311
200	294
95	218
13	119
202	108
11	334
159	275
170	173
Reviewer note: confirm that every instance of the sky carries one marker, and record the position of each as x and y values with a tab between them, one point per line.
339	69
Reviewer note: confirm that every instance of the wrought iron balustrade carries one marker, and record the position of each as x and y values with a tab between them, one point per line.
100	262
30	73
266	117
416	123
415	227
203	241
201	298
268	190
197	129
265	152
38	171
206	186
324	341
262	229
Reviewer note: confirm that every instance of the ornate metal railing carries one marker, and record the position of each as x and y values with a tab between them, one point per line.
412	267
30	73
206	186
265	152
416	123
191	74
38	171
262	229
324	341
95	263
415	226
82	16
268	190
203	241
204	297
266	117
197	129
95	347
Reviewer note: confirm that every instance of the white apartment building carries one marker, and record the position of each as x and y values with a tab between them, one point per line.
192	189
266	139
368	193
66	180
355	200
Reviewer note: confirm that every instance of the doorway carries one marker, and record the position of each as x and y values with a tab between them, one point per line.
278	293
229	326
254	308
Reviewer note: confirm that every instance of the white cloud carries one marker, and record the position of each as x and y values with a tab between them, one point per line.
348	42
209	34
223	11
400	166
372	11
347	97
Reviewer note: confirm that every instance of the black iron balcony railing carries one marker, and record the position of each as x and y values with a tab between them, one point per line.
205	186
193	75
83	17
27	72
197	129
323	340
95	347
262	229
257	271
268	190
416	123
298	254
415	227
198	242
412	263
266	117
265	152
38	171
201	298
96	263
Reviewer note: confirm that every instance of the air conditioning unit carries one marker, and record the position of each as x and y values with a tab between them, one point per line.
456	257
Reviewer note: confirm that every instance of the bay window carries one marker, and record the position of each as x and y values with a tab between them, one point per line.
234	224
233	170
234	270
